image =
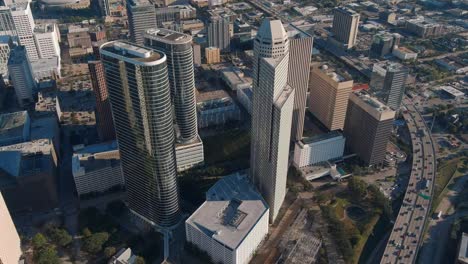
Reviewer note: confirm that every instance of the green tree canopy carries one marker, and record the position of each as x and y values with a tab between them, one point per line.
139	260
39	241
46	255
93	244
109	251
60	236
357	187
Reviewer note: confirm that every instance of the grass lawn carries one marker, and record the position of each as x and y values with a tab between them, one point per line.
227	146
445	174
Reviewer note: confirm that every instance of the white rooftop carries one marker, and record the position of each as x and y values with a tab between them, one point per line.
231	209
271	31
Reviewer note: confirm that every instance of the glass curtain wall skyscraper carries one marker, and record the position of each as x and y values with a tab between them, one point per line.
138	85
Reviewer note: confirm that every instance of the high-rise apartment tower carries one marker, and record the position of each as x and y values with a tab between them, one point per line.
138	85
178	49
218	32
272	109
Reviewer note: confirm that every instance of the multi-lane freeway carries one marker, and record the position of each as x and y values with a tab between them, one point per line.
406	236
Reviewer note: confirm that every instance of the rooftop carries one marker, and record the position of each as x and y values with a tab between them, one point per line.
346	10
271	31
44	64
95	157
167	36
132	53
389	67
231	209
11	122
17	55
372	105
44	28
317	138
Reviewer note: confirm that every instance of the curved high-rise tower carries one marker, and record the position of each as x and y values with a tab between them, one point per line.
141	106
178	49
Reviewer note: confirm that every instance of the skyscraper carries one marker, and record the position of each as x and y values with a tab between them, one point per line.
300	52
329	93
7	25
218	32
178	49
20	73
272	109
24	25
104	121
10	243
368	127
345	26
139	91
47	37
141	16
388	83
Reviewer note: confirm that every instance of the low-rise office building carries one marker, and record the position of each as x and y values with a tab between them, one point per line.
14	128
320	148
96	168
217	111
424	27
235	78
189	154
231	223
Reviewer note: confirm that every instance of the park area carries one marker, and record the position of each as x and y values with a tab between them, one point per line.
352	214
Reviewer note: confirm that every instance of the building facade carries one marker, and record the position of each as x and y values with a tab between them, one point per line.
138	85
96	168
218	32
313	150
178	49
212	55
329	93
141	16
14	128
47	38
300	52
368	126
345	26
388	83
272	109
10	243
24	25
21	75
104	121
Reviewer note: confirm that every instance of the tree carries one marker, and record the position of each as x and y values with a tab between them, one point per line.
39	241
357	187
109	251
60	237
139	260
86	232
46	255
94	243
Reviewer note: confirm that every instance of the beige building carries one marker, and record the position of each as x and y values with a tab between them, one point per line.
329	93
10	243
212	55
345	26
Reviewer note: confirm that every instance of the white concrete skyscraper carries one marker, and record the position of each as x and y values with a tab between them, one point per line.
272	109
24	25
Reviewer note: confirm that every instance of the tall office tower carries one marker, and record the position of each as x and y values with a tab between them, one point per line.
20	73
140	95
47	38
383	44
141	16
345	26
178	49
105	124
218	32
329	94
7	25
388	83
10	243
24	25
368	126
272	109
300	52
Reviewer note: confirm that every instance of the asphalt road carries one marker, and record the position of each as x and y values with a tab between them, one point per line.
405	239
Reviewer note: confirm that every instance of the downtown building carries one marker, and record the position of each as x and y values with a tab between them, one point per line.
345	26
388	83
141	16
300	53
10	243
139	90
21	75
219	32
104	122
329	93
178	49
272	110
368	126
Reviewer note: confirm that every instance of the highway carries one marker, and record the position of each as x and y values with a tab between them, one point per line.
406	236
